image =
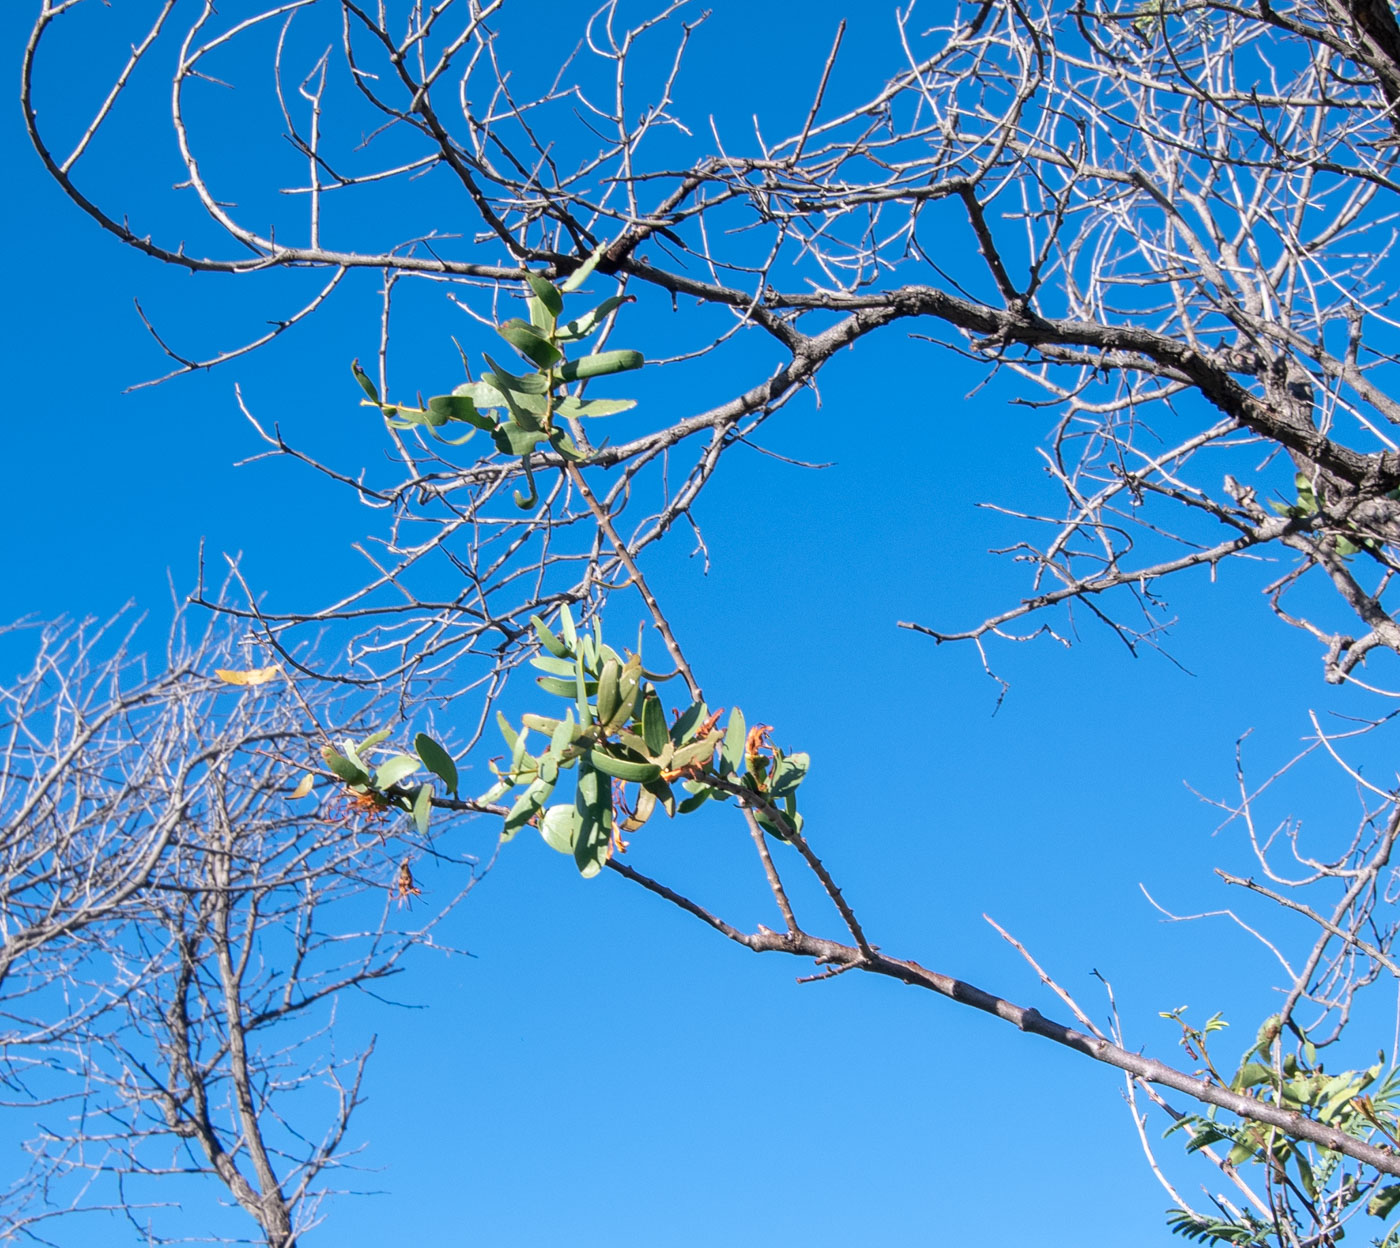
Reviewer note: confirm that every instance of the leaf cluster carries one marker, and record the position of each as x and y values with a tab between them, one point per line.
523	411
383	784
629	756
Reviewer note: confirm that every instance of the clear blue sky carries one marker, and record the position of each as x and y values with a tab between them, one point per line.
605	1071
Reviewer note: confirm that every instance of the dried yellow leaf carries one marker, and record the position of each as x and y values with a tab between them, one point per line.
304	787
254	676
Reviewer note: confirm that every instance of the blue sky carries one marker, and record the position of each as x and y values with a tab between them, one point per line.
603	1070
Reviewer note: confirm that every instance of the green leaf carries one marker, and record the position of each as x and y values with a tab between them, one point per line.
560	827
394	770
562	688
566	446
609	693
350	772
554	667
549	639
528	386
423	808
506	731
580	327
789	773
567	629
602	364
573	408
511	439
628	770
691	718
593	802
439	761
629	690
695	753
563	735
365	383
482	394
541	723
660	790
374	738
695	801
527	340
731	751
582	689
459	407
546	292
582	273
653	724
646	806
527	805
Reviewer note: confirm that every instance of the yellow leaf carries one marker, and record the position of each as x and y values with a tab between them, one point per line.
254	676
304	787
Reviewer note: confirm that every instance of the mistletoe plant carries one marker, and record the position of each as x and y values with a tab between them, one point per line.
380	788
628	754
522	411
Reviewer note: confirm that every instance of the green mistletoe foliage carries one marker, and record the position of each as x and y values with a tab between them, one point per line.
628	756
523	412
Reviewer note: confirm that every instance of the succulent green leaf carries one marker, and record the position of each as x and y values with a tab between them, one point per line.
582	689
540	723
365	383
511	439
695	801
344	768
527	805
787	775
646	805
660	790
580	327
546	292
563	735
423	808
582	273
653	724
566	446
697	752
526	339
374	738
731	751
440	762
576	409
560	827
532	386
625	769
555	667
549	639
691	718
594	804
629	690
506	731
563	688
482	394
609	694
601	364
567	629
459	407
526	501
395	769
